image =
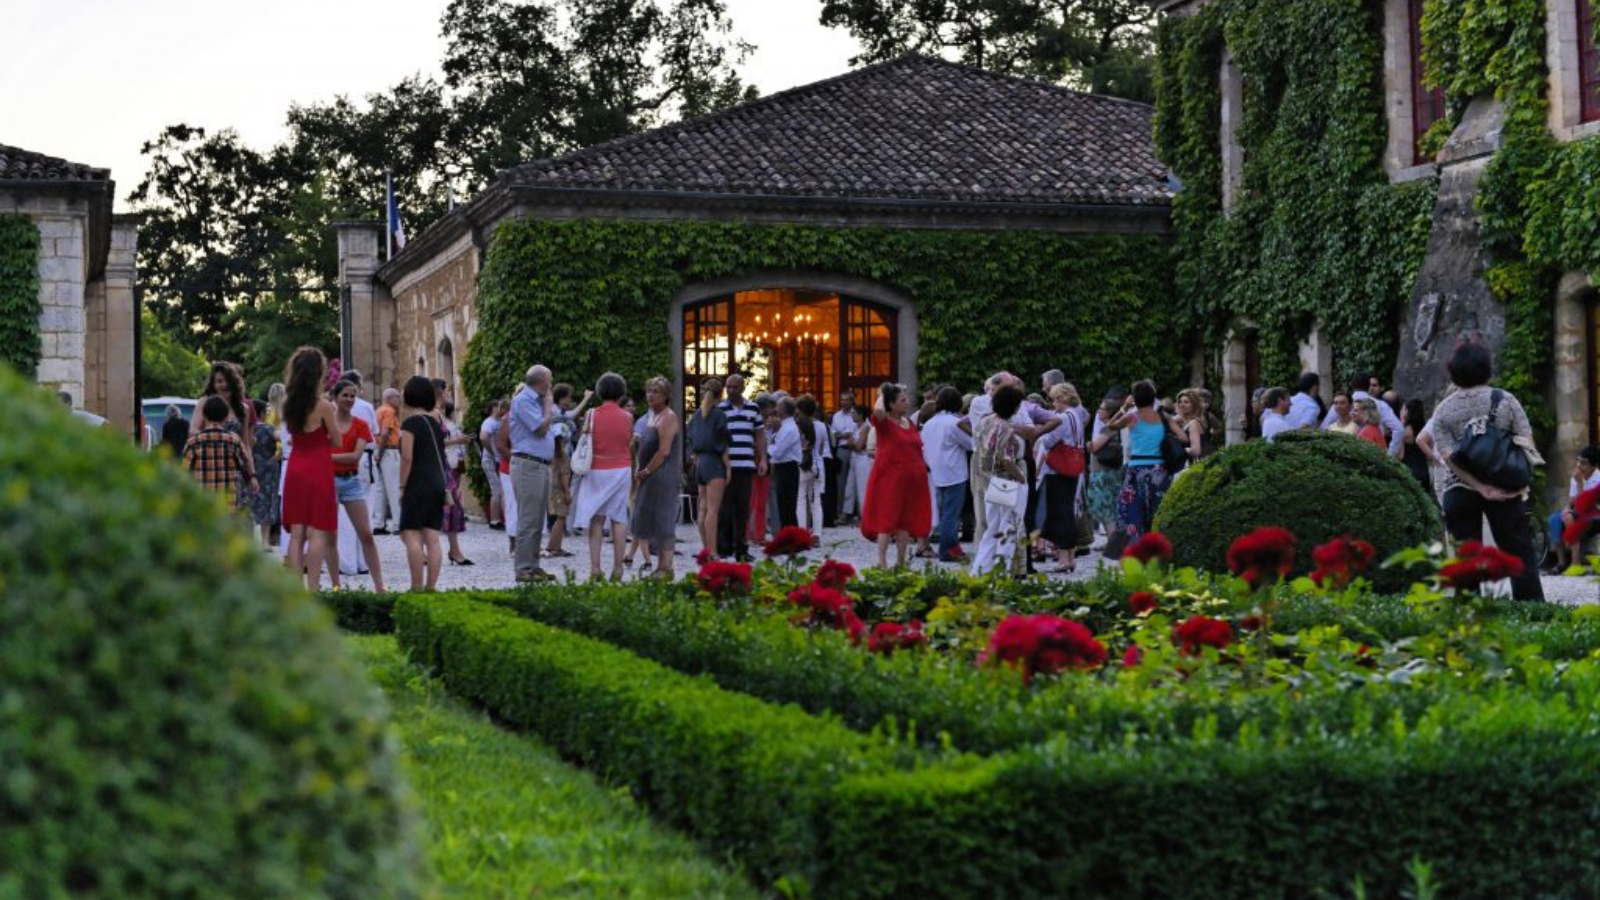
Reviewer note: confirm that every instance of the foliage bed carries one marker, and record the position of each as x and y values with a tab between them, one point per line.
1338	485
504	813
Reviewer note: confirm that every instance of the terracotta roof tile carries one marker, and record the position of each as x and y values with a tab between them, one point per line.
25	165
914	128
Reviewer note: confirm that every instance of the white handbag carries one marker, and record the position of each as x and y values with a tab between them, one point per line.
1005	492
582	459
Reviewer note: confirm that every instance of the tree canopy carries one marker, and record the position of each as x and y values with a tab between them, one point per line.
1105	46
237	252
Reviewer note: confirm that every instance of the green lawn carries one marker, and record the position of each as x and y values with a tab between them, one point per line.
506	817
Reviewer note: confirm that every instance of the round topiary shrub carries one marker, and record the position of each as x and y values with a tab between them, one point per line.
1318	485
177	718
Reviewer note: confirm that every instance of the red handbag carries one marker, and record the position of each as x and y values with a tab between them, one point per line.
1065	460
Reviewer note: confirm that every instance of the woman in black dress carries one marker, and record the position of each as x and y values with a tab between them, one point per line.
424	493
709	440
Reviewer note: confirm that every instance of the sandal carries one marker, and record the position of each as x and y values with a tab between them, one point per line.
559	554
463	561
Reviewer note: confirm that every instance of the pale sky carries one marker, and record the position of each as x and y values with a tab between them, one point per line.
92	80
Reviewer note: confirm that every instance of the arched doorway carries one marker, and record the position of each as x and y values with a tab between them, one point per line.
829	336
447	362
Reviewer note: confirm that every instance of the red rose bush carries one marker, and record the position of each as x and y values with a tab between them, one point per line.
1198	632
1152	547
1263	555
1043	644
791	540
1477	565
720	579
887	637
1340	560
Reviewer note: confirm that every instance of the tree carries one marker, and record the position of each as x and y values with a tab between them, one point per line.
167	367
238	249
1100	45
535	79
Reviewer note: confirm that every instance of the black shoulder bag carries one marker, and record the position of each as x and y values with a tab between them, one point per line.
1490	453
1174	455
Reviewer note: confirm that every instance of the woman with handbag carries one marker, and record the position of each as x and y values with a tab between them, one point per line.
1000	454
1064	464
1482	436
424	489
1146	475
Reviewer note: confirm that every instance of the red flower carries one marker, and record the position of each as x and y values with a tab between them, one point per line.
1476	565
1250	623
828	609
1202	631
1141	602
1153	546
1133	657
1262	555
1045	644
704	556
1339	560
790	540
888	637
719	578
835	574
1364	657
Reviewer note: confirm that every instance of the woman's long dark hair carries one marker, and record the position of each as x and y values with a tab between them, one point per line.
302	380
230	374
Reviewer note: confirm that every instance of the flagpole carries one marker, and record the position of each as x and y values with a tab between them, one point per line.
388	216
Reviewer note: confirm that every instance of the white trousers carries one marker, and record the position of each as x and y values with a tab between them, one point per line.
860	472
383	492
808	502
508	499
999	542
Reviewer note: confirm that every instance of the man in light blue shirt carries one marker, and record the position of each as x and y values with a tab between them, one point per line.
533	448
1304	408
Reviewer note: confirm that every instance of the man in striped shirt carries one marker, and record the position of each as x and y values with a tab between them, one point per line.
747	456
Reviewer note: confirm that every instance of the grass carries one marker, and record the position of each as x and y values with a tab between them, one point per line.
506	817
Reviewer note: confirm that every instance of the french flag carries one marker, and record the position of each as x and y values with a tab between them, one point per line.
397	231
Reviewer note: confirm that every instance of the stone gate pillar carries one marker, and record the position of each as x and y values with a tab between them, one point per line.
366	318
121	318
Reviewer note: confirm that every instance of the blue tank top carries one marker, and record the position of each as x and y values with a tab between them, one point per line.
1145	445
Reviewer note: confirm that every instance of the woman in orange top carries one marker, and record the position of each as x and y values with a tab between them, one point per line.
1366	416
604	494
347	481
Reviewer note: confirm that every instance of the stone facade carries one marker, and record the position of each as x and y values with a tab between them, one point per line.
87	274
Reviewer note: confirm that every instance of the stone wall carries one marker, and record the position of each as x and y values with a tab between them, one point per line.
63	223
433	308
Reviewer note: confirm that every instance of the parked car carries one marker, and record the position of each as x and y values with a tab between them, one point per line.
155	414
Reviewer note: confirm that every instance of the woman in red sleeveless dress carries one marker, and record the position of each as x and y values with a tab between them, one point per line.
310	503
897	503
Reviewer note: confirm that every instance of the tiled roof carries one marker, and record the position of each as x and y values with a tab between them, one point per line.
914	128
25	165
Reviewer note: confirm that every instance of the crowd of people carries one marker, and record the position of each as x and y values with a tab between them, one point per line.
1026	479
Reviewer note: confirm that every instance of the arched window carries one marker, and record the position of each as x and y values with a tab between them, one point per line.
447	361
803	342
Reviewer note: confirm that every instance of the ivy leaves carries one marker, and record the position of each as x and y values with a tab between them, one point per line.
19	294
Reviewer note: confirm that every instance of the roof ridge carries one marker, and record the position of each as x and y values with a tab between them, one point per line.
627	140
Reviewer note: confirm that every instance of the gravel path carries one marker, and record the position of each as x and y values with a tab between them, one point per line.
490	552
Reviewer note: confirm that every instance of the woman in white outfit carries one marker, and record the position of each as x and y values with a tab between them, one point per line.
999	451
808	502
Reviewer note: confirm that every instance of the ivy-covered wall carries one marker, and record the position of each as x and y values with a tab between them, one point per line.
1540	199
1317	232
587	296
19	294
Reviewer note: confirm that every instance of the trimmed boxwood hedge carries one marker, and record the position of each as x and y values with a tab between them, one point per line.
177	716
1499	790
750	777
1319	485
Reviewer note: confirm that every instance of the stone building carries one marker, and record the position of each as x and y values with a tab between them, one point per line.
913	145
88	318
1451	295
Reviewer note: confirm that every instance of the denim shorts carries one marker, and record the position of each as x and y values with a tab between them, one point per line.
349	488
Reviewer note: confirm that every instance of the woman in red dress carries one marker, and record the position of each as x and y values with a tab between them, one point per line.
310	504
897	503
